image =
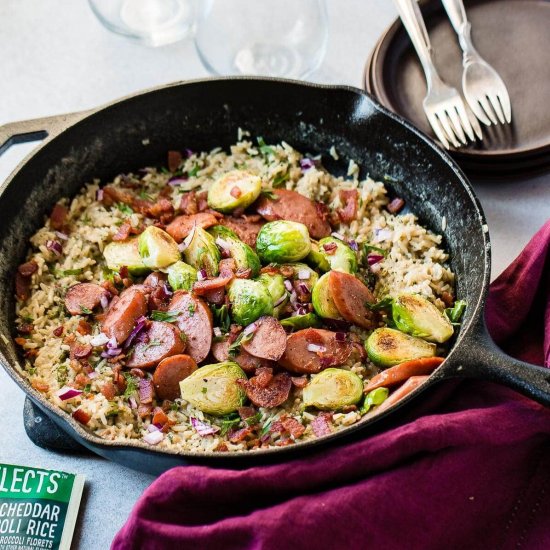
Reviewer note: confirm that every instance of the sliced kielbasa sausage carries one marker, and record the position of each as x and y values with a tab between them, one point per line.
292	206
246	227
247	362
268	340
351	297
181	226
195	321
170	372
409	386
271	394
123	314
159	341
82	298
311	350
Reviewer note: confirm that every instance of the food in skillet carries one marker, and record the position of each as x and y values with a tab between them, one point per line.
232	301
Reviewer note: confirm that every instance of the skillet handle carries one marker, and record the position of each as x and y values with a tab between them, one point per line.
481	358
37	129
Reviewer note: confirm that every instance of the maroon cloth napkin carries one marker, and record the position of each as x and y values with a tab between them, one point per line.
470	468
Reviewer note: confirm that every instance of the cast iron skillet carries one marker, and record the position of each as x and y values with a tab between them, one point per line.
137	131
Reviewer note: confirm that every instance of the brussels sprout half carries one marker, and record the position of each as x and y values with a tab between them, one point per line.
387	347
234	189
249	301
275	284
213	389
299	322
317	259
201	251
244	256
341	258
181	276
302	272
125	253
417	316
157	248
333	389
322	301
283	241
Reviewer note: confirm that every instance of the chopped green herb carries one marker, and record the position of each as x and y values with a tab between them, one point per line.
31	370
191	309
236	345
269	195
385	303
280	179
132	384
151	344
454	314
61	374
266	427
204	390
164	170
240	165
368	248
166	316
183	338
194	171
27	318
87	388
254	419
174	406
113	411
228	422
109	274
221	317
391	179
86	220
85	310
66	272
264	149
145	196
124	208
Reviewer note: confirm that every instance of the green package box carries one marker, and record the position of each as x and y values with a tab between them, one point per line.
38	508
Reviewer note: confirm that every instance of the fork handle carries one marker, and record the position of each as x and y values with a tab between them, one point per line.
413	22
459	20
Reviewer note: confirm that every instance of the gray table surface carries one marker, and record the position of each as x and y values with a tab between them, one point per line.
57	58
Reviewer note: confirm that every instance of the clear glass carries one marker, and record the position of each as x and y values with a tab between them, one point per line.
281	38
150	22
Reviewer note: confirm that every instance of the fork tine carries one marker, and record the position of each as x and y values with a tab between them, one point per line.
442	117
497	108
504	99
434	123
475	123
484	102
477	110
469	123
457	126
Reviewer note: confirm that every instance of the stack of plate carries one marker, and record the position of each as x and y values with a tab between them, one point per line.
514	37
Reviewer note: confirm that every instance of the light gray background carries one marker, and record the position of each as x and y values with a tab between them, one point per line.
56	58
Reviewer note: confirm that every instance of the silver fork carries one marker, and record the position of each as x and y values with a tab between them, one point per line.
443	105
483	88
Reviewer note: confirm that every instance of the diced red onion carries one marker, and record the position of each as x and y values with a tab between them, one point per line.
265	438
307	164
202	275
99	340
99	195
67	392
133	402
293	299
152	428
113	352
188	152
338	236
340	336
166	290
182	246
202	428
302	287
104	300
373	259
288	285
224	245
304	274
93	374
217	332
353	245
320	426
301	311
250	329
153	438
178	180
316	349
61	235
395	205
280	300
138	327
55	247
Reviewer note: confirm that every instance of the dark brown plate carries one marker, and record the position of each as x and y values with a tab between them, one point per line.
514	37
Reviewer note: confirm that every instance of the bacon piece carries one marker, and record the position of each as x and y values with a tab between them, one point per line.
22	286
240	435
202	201
162	209
80	380
263	377
350	200
299	381
188	203
58	217
447	299
274	393
395	205
321	424
246	412
292	426
246	227
201	288
181	226
235	192
25	328
159	417
81	416
84	327
40	386
174	160
28	268
146	391
80	351
138	373
123	232
215	296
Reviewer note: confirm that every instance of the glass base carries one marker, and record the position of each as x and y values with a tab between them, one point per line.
267	59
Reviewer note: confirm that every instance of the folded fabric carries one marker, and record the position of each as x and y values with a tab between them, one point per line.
469	467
